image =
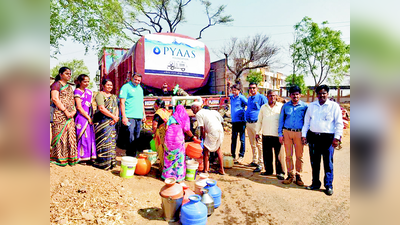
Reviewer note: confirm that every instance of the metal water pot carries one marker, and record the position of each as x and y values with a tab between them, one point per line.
171	197
208	201
171	208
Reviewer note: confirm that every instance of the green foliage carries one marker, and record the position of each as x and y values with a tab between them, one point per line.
77	67
98	23
319	51
298	80
255	77
90	22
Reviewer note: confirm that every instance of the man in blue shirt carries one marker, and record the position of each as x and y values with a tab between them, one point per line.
132	110
238	105
254	103
291	121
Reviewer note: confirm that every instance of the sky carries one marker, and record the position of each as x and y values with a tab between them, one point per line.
273	18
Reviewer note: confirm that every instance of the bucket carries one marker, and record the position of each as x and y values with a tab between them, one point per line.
128	165
191	167
152	156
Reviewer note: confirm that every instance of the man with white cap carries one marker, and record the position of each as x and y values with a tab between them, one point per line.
212	132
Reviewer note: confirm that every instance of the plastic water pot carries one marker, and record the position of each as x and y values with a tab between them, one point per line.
153	145
201	183
152	156
214	191
143	165
194	150
194	212
228	161
128	165
188	193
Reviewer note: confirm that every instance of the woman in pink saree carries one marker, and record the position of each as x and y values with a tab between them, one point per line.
174	155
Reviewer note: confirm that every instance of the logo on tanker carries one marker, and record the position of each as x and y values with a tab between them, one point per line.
175	52
156	50
174	56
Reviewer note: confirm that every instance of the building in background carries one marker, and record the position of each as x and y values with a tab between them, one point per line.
219	73
271	81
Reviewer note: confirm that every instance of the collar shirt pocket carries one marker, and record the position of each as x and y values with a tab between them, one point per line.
328	118
288	110
327	114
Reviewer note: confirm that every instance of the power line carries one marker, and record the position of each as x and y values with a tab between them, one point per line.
233	26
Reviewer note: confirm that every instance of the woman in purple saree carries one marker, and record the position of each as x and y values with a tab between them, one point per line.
174	155
84	126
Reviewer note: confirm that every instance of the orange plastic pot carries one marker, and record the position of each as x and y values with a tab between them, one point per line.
187	193
143	165
194	150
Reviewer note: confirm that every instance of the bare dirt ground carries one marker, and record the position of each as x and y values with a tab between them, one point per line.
86	195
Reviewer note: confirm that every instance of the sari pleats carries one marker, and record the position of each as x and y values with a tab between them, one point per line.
63	150
106	136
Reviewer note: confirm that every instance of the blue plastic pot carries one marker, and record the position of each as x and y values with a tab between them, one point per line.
214	191
194	212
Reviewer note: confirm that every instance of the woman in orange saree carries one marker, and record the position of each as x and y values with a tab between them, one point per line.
159	127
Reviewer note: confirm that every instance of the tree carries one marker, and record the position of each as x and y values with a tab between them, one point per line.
298	80
255	77
90	22
104	21
77	67
249	53
161	14
319	51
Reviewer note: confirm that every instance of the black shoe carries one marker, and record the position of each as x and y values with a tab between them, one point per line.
312	187
329	191
256	170
280	176
253	165
266	174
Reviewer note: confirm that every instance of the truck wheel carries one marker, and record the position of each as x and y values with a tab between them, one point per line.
172	67
183	69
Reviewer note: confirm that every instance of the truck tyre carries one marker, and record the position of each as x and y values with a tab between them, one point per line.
183	69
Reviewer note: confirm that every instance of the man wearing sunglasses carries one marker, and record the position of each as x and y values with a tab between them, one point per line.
254	103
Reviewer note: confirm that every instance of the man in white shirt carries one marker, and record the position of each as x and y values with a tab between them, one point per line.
212	132
267	126
323	128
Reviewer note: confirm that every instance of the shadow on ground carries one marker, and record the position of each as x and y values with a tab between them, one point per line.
154	213
247	172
